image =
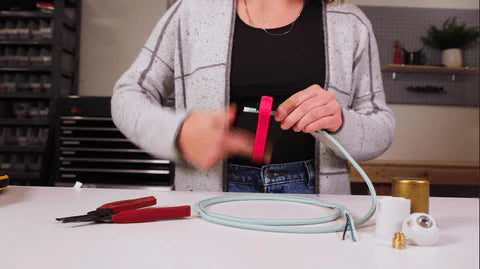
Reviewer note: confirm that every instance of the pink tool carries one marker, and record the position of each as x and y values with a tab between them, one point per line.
262	129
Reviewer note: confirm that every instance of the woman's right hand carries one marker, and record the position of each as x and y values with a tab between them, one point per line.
206	138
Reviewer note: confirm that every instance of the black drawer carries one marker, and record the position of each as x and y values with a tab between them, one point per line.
112	177
90	148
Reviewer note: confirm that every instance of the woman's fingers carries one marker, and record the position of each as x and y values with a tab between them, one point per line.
231	114
315	114
206	138
200	139
308	106
321	124
267	156
285	108
303	110
240	142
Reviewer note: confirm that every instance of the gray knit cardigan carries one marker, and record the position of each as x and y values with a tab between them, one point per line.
188	55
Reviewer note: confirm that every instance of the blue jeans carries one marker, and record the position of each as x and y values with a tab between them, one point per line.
296	177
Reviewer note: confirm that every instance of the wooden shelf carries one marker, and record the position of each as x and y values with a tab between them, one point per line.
405	68
440	173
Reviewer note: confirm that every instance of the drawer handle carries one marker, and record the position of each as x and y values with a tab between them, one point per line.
71	142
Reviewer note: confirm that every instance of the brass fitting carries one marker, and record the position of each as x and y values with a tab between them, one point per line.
398	241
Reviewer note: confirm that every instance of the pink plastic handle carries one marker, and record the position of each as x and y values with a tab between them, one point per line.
262	129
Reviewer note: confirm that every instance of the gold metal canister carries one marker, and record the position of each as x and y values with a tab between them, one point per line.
415	189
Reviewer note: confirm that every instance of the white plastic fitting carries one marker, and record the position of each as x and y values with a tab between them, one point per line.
421	229
391	211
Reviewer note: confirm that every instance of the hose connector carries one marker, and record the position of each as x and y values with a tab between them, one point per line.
398	241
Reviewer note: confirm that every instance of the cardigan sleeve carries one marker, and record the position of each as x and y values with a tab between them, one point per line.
138	104
368	123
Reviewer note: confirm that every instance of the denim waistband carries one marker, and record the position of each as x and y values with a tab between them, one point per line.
273	174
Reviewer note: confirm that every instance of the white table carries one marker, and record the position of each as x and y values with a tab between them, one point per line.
31	238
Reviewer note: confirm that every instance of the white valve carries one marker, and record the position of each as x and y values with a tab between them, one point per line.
421	229
391	211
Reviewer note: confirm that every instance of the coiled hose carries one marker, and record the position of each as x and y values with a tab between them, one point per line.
289	225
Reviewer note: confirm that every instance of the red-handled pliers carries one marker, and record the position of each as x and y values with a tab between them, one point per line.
131	211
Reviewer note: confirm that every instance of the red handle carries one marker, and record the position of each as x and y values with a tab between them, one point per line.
262	129
129	204
151	214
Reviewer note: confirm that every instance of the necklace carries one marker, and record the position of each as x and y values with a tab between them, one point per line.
264	29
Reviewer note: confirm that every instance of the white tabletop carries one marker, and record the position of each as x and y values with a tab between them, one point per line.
31	238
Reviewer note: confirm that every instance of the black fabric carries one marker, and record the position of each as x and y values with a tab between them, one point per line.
278	66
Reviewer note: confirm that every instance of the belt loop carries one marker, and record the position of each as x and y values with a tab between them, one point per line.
263	175
310	173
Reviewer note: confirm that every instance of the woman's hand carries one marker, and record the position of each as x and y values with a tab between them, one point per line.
309	110
206	138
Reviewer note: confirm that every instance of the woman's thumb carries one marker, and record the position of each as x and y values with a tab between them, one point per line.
231	114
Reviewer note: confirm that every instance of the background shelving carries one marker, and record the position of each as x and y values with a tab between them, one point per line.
405	68
90	149
39	55
429	69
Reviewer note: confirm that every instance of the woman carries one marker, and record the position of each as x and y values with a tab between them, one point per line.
318	60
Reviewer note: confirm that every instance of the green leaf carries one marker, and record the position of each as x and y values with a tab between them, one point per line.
450	35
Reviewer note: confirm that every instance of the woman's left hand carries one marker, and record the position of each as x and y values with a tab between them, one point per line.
309	110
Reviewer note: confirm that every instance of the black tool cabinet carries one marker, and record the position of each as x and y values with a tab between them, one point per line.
90	149
39	55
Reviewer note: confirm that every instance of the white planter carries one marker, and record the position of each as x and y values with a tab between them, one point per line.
452	58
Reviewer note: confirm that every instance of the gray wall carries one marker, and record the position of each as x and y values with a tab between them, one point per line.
407	25
113	31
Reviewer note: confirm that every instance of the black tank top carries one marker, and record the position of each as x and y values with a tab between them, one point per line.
279	66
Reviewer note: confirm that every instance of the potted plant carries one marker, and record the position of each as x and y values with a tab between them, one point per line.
451	38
